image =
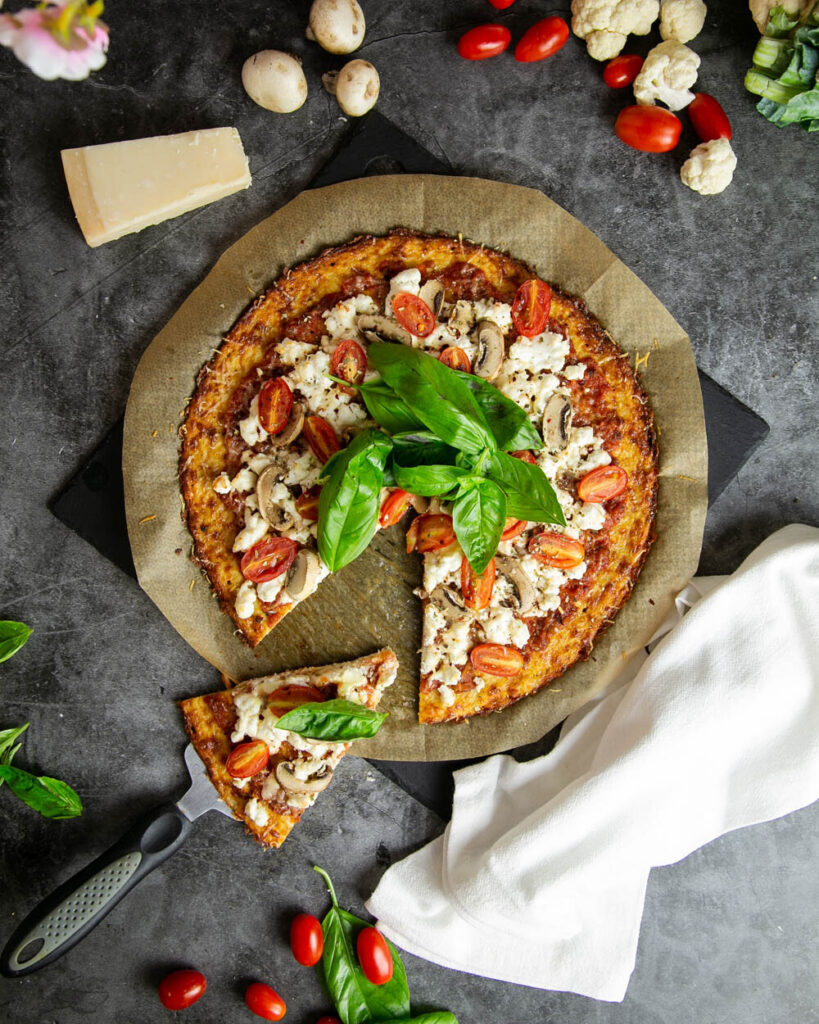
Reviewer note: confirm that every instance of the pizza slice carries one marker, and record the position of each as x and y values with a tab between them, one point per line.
269	776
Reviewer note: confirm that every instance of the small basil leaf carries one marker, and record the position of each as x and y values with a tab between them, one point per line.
428	481
434	1017
50	797
509	423
12	637
478	517
529	495
8	736
332	720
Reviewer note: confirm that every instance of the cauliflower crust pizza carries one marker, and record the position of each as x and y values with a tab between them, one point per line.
266	415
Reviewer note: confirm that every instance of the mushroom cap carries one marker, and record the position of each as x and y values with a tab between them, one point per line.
286	778
275	80
375	327
519	579
357	87
557	420
292	429
303	575
432	292
269	509
489	339
338	26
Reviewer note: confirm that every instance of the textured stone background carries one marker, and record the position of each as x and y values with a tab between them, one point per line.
728	935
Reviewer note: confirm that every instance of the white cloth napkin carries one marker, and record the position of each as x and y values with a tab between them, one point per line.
540	877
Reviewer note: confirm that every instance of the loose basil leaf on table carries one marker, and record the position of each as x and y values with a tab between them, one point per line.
478	518
434	1017
509	423
357	1000
7	746
529	495
50	797
12	637
332	720
429	481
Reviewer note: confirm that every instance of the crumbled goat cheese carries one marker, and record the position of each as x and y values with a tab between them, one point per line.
270	590
441	567
324	398
499	313
257	812
404	281
250	428
351	682
446	695
575	371
340	321
245	600
500	626
222	484
255	529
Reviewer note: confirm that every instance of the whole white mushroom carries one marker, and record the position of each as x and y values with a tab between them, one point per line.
275	81
356	87
337	25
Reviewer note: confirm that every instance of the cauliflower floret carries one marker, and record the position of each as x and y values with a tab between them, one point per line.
605	24
710	167
667	74
681	19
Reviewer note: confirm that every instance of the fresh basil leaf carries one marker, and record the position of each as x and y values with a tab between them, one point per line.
509	423
435	1017
428	481
435	394
50	797
7	737
478	517
529	495
357	1000
12	637
422	448
390	411
332	720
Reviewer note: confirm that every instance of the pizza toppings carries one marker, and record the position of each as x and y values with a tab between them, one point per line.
556	423
349	362
602	483
248	759
432	532
303	576
557	549
393	507
530	310
456	359
496	660
268	559
477	588
275	404
489	358
295	777
321	437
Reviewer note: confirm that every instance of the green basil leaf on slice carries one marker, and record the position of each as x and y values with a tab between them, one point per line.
357	1000
529	495
333	720
435	394
50	797
509	423
12	637
478	517
428	481
389	410
434	1017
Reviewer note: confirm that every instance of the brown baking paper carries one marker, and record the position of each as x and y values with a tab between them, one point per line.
369	604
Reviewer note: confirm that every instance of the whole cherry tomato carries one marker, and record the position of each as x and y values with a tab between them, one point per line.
308	504
328	1020
541	40
496	660
321	437
275	404
349	362
306	939
268	558
395	505
456	359
650	129
477	589
530	309
708	118
484	41
248	759
374	956
602	483
413	314
181	989
513	528
556	550
621	71
501	5
430	532
264	1001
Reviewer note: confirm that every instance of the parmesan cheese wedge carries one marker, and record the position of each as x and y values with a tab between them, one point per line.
122	187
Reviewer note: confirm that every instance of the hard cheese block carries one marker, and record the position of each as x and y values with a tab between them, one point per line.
123	187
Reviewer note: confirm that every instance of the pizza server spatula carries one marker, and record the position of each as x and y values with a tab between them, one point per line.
78	905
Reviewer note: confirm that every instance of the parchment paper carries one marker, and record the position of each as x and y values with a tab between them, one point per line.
369	604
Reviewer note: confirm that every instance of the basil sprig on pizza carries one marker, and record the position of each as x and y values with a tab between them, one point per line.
457	456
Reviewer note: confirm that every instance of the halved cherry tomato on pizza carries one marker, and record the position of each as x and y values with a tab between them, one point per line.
513	528
264	1001
477	588
181	989
268	558
306	939
602	483
556	550
321	437
708	118
484	41
395	505
248	759
374	956
524	457
530	309
430	532
285	698
275	405
621	71
649	129
349	362
496	660
308	504
541	40
413	314
456	359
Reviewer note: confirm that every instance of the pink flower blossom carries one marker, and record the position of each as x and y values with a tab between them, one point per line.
57	40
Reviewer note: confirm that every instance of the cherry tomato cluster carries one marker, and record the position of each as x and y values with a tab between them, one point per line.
538	42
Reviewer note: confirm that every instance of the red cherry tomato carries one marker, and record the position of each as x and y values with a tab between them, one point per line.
650	129
248	759
524	457
501	5
530	309
285	698
477	589
306	939
275	404
541	40
484	41
266	1003
321	437
622	70
708	118
413	314
268	558
456	359
430	532
181	989
328	1020
557	550
496	660
513	528
374	956
308	504
349	362
395	505
602	483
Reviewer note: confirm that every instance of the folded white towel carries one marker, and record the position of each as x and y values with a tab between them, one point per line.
540	877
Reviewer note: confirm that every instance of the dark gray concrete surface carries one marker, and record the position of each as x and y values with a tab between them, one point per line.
729	935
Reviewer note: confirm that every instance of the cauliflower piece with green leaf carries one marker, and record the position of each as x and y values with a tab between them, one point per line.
667	74
681	19
710	167
606	24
